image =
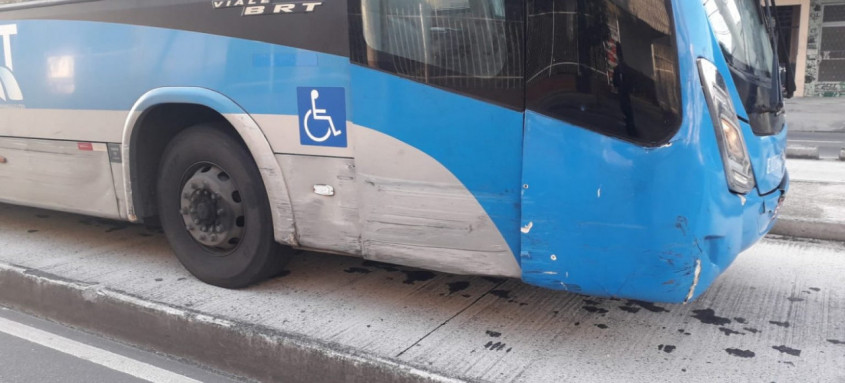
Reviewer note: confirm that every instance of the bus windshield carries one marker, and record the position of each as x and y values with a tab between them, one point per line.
739	27
746	38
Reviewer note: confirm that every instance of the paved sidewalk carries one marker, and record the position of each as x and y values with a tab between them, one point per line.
775	315
815	205
816	114
816	171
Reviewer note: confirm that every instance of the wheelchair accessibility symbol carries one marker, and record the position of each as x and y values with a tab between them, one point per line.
322	116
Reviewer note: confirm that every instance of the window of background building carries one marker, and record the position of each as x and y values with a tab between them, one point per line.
832	52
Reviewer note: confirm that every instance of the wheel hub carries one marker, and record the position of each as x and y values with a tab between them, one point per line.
212	209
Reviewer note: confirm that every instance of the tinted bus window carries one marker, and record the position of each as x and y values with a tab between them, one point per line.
605	65
471	46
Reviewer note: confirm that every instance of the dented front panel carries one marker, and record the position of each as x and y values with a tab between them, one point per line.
602	216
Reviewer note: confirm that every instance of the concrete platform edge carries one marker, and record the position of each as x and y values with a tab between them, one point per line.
800	228
252	351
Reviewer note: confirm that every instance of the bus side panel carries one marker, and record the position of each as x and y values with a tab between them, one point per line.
439	175
77	85
415	212
60	175
450	154
324	221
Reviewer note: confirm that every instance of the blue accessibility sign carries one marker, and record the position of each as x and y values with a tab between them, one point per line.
322	116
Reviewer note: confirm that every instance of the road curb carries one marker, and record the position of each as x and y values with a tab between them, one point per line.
244	349
815	229
802	152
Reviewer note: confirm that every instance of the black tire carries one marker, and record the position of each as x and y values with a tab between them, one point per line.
251	254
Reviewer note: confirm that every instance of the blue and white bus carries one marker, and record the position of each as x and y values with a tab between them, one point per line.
623	148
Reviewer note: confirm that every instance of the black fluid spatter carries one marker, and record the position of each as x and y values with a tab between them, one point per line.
413	276
729	332
708	316
454	287
740	353
781	324
358	270
788	350
647	305
595	310
666	348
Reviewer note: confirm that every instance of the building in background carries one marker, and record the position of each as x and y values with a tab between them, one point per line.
813	33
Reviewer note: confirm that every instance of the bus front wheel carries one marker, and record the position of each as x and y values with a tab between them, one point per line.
214	209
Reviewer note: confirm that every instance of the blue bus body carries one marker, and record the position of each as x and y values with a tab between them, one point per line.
420	175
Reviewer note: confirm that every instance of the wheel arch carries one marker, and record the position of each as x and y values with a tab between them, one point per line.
162	113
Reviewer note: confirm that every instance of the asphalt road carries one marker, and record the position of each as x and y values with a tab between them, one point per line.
778	314
829	144
35	350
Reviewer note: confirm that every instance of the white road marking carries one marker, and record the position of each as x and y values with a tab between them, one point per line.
92	354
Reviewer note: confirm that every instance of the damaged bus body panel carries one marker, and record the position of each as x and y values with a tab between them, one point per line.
612	148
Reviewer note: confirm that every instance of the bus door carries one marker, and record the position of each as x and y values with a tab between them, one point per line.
436	107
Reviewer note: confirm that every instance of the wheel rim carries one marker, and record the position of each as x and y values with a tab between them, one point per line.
212	209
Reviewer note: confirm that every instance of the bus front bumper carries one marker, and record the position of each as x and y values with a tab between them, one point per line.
673	260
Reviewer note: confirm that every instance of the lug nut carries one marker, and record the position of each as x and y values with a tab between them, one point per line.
196	221
189	228
219	228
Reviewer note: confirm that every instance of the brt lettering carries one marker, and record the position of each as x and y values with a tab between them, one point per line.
266	7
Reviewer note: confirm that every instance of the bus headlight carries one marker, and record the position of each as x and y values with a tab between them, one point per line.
728	132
